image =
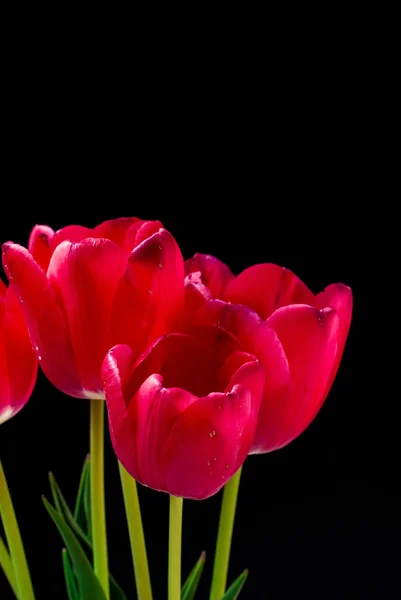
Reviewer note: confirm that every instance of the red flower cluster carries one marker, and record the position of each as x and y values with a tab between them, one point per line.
199	368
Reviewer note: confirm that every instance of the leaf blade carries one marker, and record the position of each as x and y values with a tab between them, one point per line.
89	586
69	577
191	585
80	514
234	590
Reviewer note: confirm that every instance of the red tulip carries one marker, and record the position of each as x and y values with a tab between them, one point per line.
310	330
85	290
18	366
182	418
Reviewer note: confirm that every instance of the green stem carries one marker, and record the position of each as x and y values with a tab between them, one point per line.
7	566
98	514
174	549
21	571
136	536
224	536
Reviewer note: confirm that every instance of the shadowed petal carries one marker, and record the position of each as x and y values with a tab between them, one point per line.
39	245
149	297
215	275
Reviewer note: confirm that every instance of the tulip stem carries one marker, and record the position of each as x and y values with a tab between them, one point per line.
224	536
20	567
98	513
7	566
174	549
136	536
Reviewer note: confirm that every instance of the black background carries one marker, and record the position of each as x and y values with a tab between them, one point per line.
317	519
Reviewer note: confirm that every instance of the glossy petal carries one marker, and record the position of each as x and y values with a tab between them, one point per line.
39	245
149	298
86	276
339	297
256	337
139	425
215	274
71	233
139	232
309	338
210	440
185	361
45	320
21	360
115	230
153	421
266	287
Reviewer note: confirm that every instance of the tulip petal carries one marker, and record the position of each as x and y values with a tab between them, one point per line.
45	320
210	440
309	338
115	369
339	297
115	230
39	245
215	274
139	425
184	361
266	287
21	361
86	276
5	408
71	233
196	293
149	297
256	337
139	232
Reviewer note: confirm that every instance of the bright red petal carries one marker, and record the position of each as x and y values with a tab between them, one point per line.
6	410
339	297
139	425
309	338
21	360
149	298
266	287
116	367
71	233
45	320
257	338
86	276
115	230
210	440
139	232
215	274
184	361
39	245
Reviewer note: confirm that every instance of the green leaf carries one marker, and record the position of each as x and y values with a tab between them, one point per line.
191	585
116	593
233	592
69	577
89	586
64	510
81	515
87	500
